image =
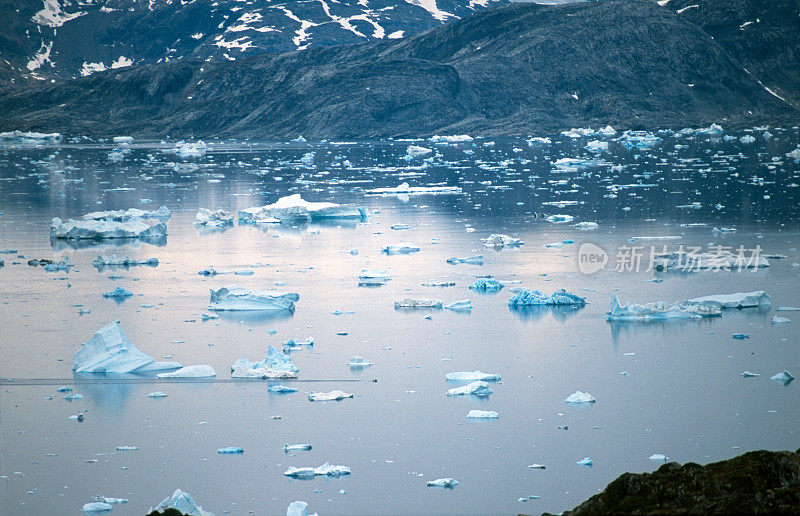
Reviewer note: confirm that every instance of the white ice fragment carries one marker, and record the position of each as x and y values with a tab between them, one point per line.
483	414
471	376
325	470
738	300
97	507
780	320
406	189
537	298
472	260
274	365
410	303
464	305
559	219
658	457
231	450
358	362
537	466
586	226
114	261
194	371
163	214
157	394
486	285
296	447
784	377
213	218
122	139
659	310
446	483
238	298
456	138
586	461
496	240
716	261
293	208
597	146
478	388
118	293
281	389
29	137
749	374
412	151
105	229
373	277
335	395
403	248
109	351
298	508
183	503
580	397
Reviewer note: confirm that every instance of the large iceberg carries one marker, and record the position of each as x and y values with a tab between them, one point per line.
537	298
182	502
406	189
692	262
477	388
293	208
213	218
239	298
738	300
106	228
275	365
110	351
659	310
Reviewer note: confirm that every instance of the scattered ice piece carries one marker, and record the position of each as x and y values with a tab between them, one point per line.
435	283
329	396
97	507
446	483
281	389
404	248
483	414
296	447
358	362
238	298
106	229
741	336
586	461
478	388
406	189
412	151
118	293
206	317
738	300
784	377
659	457
293	208
536	298
658	310
537	466
398	227
597	146
183	503
73	396
127	448
64	388
692	262
213	218
211	271
188	150
298	508
486	285
310	472
109	351
464	305
114	261
194	371
231	450
580	397
780	320
274	365
586	226
472	376
157	394
473	260
373	277
244	272
749	374
418	303
496	240
559	219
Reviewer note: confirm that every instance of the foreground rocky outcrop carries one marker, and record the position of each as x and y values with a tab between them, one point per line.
759	482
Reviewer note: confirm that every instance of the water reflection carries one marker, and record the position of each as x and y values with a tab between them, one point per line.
535	313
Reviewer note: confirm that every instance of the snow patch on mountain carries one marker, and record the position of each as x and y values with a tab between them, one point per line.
53	16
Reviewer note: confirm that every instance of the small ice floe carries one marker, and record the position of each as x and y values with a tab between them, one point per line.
399	227
465	305
213	218
118	293
412	151
445	483
423	303
293	345
238	298
486	285
403	248
73	396
194	371
472	376
274	365
478	388
741	336
498	241
472	260
738	300
596	146
559	219
455	138
358	363
784	377
188	150
244	272
780	320
441	283
211	271
580	397
157	394
298	508
110	351
586	461
112	224
693	262
749	374
114	261
296	447
536	298
64	388
207	317
638	139
97	507
586	226
293	208
537	466
127	448
658	310
658	457
233	450
280	389
374	277
406	189
182	502
18	137
326	470
483	414
335	395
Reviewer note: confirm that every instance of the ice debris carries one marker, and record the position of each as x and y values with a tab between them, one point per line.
29	138
358	362
109	351
182	502
335	395
585	226
406	189
163	214
464	305
298	508
780	320
97	507
118	293
410	303
404	248
233	450
213	218
189	150
784	377
486	285
472	376
478	388
238	298
659	310
586	461
749	374
472	260
293	208
580	397
536	298
105	229
194	371
559	219
412	151
114	261
310	472
446	483
483	414
157	394
281	389
296	447
738	300
659	457
373	277
274	365
495	240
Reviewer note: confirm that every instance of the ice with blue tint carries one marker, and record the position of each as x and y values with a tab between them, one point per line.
472	260
239	298
403	248
472	376
446	483
213	218
110	351
738	300
294	208
334	395
326	470
478	388
486	285
275	365
537	298
659	310
497	240
580	397
105	229
298	508
280	389
182	502
194	371
483	414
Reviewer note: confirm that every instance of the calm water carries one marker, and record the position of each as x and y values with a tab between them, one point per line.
673	388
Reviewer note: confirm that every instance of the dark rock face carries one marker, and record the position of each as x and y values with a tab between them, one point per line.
514	69
759	482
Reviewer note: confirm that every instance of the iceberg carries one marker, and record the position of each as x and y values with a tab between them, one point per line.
537	298
478	388
456	138
464	305
472	260
182	502
446	483
692	262
780	320
483	414
280	389
274	365
658	310
749	374
373	277
659	457
106	229
412	151
188	150
586	226
784	377
238	298
103	261
296	447
586	461
358	362
406	189
638	139
496	240
486	285
559	219
97	507
580	397
195	371
409	303
472	376
118	293
298	508
738	300
597	146
157	395
329	396
404	248
326	470
163	214
215	218
232	450
293	345
109	351
713	129
29	138
293	208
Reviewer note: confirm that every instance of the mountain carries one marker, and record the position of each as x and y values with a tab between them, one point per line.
511	69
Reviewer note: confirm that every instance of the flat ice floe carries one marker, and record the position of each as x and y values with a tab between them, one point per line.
239	298
409	303
326	470
471	376
112	261
103	229
373	277
483	414
446	483
195	371
580	397
406	189
274	365
335	395
163	214
403	248
182	502
537	298
659	310
465	305
478	388
298	508
110	351
293	208
472	260
738	300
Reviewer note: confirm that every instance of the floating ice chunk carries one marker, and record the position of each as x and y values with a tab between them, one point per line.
473	260
692	262
580	397
597	146
738	300
280	389
795	154
472	376
659	310
296	447
293	208
540	140
537	466
435	304
127	448
536	298
206	317
412	151
399	227
659	457
97	507
298	508
559	219
456	138
74	396
157	394
785	377
486	285
358	362
188	150
64	388
29	138
749	374
554	245
713	129
293	345
163	214
231	450
480	389
483	414
639	139
446	483
741	336
335	395
326	469
118	293
404	248
586	461
114	261
105	229
780	320
182	502
274	365
586	226
607	131
244	272
406	189
748	138
464	305
211	271
495	240
194	371
238	298
373	277
435	283
213	218
122	139
109	351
